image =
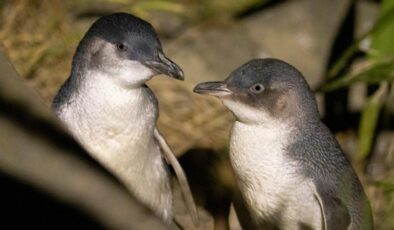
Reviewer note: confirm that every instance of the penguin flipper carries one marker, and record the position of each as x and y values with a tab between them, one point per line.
180	174
334	212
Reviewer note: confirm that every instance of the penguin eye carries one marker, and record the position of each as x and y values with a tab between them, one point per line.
257	88
121	47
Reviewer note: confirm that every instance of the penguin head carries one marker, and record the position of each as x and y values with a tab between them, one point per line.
264	90
126	48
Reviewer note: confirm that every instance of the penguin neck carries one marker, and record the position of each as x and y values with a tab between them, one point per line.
113	122
272	129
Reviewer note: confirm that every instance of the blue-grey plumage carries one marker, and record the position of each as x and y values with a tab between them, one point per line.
290	169
107	106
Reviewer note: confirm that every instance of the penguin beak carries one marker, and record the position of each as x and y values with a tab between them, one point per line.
165	66
214	88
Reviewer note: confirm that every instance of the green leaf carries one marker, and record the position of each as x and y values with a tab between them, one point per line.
344	60
369	119
387	5
388	186
381	49
378	72
382	35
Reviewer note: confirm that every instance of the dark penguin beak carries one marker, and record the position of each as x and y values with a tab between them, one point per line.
214	88
165	66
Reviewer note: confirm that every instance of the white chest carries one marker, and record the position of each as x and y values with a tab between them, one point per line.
259	161
112	122
270	182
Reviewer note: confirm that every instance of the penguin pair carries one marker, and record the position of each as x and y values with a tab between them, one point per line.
291	171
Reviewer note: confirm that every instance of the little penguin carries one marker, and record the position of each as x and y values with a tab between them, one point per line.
109	109
290	169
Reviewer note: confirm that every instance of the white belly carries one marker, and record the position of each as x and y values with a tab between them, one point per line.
268	179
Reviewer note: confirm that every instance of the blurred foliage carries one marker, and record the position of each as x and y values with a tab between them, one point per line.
34	45
388	187
369	120
382	35
192	10
378	68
